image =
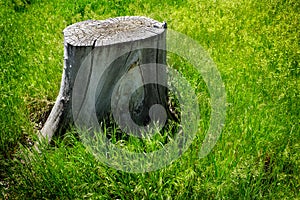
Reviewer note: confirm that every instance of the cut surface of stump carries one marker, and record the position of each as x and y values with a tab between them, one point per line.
111	66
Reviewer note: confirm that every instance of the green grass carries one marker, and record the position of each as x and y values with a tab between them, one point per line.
256	47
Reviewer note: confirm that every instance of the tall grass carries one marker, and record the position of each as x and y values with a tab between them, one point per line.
255	45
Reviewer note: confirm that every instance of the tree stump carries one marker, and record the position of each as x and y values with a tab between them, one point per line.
97	55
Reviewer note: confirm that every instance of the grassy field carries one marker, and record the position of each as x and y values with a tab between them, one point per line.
256	47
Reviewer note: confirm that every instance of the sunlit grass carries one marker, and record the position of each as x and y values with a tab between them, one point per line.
255	45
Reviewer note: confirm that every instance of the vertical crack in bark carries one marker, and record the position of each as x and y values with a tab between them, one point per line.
157	67
145	120
124	67
127	58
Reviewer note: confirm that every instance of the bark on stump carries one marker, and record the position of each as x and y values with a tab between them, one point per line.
130	42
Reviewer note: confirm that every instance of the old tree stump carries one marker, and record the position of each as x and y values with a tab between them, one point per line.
97	55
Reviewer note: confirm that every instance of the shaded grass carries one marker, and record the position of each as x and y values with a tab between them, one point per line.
255	45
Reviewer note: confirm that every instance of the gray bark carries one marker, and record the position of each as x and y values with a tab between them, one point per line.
88	45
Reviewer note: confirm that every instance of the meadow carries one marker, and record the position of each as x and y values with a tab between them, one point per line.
256	48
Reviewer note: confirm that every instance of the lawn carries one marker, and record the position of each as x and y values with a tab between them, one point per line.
256	48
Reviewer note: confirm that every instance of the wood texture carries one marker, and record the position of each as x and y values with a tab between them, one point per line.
138	40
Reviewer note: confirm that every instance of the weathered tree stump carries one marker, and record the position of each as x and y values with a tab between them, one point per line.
129	42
